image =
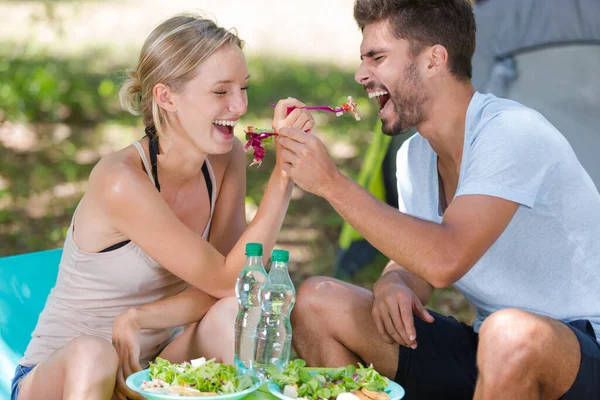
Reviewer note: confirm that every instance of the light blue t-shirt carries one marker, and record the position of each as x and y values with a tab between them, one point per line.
547	261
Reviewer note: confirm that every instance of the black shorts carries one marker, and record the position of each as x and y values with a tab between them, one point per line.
444	366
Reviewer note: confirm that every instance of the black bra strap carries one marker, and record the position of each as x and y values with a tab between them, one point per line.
115	246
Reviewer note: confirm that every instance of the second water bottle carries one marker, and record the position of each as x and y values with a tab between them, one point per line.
274	332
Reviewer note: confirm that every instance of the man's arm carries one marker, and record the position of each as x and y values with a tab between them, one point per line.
439	253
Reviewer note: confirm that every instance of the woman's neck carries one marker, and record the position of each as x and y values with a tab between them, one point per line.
179	161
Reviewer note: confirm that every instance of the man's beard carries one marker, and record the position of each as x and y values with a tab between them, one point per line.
408	103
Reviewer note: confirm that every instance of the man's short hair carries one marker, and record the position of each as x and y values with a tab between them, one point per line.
449	23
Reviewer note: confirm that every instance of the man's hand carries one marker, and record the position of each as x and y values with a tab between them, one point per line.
297	118
306	161
126	340
393	309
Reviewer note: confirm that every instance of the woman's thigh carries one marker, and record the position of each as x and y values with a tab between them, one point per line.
48	379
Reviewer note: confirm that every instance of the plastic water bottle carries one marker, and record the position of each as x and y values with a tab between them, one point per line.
274	333
247	287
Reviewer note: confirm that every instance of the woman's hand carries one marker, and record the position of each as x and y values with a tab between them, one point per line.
126	340
297	118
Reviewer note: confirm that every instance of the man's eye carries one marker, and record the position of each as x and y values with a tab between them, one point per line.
378	58
245	88
220	93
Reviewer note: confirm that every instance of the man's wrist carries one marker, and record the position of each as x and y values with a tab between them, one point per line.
393	276
332	188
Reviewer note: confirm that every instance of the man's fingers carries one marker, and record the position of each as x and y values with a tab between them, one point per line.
288	157
397	319
390	329
291	145
294	134
409	325
422	312
380	328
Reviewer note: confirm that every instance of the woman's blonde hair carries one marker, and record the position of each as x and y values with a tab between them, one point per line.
170	56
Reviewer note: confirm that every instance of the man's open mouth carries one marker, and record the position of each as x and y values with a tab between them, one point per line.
381	96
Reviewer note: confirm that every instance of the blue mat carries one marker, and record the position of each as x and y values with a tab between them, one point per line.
25	282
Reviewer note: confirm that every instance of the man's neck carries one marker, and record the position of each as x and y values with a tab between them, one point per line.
445	125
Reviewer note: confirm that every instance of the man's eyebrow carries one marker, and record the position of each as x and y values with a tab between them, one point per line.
229	80
372	53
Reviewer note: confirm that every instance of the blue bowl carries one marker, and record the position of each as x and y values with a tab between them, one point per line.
134	382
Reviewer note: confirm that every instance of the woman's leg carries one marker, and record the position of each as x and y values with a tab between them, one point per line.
84	369
211	337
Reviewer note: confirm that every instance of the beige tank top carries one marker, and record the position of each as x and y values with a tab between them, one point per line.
93	288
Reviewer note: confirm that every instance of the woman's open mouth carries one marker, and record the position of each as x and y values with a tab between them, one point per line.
225	127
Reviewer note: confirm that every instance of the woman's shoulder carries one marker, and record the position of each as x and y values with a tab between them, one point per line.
119	174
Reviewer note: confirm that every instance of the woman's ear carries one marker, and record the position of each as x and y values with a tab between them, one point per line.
164	97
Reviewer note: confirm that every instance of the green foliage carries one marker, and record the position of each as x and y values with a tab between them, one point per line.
39	88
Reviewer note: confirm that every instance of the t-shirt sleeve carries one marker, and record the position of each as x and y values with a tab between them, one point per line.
509	158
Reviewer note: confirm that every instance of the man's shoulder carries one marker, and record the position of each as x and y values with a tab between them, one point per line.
493	112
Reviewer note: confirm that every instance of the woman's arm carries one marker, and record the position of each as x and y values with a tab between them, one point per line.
137	210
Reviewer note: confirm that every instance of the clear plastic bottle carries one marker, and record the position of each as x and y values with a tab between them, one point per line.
247	287
274	333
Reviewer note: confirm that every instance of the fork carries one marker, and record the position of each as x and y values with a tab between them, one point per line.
319	108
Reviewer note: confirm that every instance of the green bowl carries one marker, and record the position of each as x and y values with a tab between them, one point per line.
134	382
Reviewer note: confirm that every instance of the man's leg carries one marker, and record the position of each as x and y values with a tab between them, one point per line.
333	327
525	356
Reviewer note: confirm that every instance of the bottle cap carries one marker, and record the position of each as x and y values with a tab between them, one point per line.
280	256
254	249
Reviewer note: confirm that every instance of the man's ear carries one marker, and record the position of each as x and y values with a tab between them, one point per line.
163	95
437	57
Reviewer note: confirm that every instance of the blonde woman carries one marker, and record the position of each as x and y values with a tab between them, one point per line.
158	239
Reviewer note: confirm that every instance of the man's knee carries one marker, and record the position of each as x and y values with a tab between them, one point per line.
312	298
512	339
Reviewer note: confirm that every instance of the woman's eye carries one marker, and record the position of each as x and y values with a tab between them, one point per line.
221	93
245	88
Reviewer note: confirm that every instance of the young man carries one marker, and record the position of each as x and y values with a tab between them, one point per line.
492	200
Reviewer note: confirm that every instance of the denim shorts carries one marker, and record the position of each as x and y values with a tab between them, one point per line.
444	366
15	385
